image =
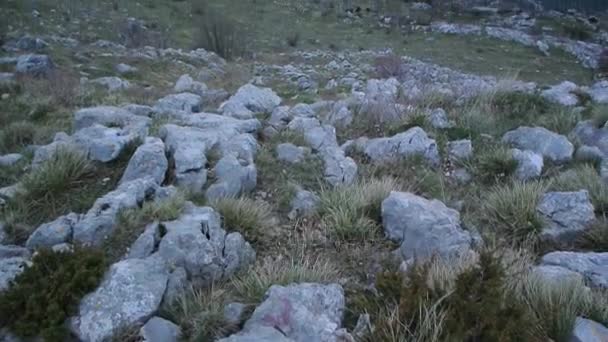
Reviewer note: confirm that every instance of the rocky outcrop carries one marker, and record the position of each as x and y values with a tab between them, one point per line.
250	100
424	228
592	266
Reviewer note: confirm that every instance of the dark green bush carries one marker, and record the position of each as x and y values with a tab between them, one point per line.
220	34
46	294
476	307
576	30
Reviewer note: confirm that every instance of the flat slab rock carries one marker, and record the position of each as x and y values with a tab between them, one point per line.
423	227
298	312
131	292
566	215
592	266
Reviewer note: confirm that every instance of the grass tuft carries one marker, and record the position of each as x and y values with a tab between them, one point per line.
584	177
249	217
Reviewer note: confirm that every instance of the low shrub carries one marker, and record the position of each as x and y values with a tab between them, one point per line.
220	34
47	293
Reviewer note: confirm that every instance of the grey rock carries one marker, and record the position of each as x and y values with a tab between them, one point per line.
566	214
380	100
562	94
250	100
112	117
460	150
589	153
176	285
550	145
302	110
438	119
13	251
187	102
10	159
125	69
140	110
462	175
302	312
53	233
303	204
588	133
149	160
30	43
290	153
63	248
187	84
9	269
586	330
340	115
34	65
196	242
130	293
160	330
339	169
321	138
423	227
529	164
243	147
233	179
599	92
592	266
145	244
112	83
3	235
556	274
234	312
10	191
413	142
101	143
101	219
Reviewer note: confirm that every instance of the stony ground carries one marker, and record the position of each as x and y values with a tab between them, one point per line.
443	177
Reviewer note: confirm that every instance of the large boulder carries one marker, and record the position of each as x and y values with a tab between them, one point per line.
592	266
550	145
563	94
586	330
149	160
566	214
297	312
197	242
411	143
423	227
99	222
233	178
250	100
112	117
102	143
53	233
529	164
34	65
130	293
187	102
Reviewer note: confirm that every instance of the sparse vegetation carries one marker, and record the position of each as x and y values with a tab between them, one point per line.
220	34
251	286
353	212
494	164
48	292
251	218
510	210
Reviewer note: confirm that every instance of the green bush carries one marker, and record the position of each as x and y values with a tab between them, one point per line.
434	301
220	34
47	293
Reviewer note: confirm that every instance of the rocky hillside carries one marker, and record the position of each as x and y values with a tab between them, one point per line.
302	171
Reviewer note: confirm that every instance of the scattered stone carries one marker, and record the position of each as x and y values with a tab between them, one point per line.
30	43
99	222
130	293
566	214
586	330
111	117
303	204
423	227
53	233
196	242
339	169
149	160
438	119
291	153
233	179
10	159
460	150
186	84
413	142
250	100
146	243
34	65
599	92
529	164
160	330
550	145
234	312
562	94
592	266
10	268
112	83
297	312
188	102
125	69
